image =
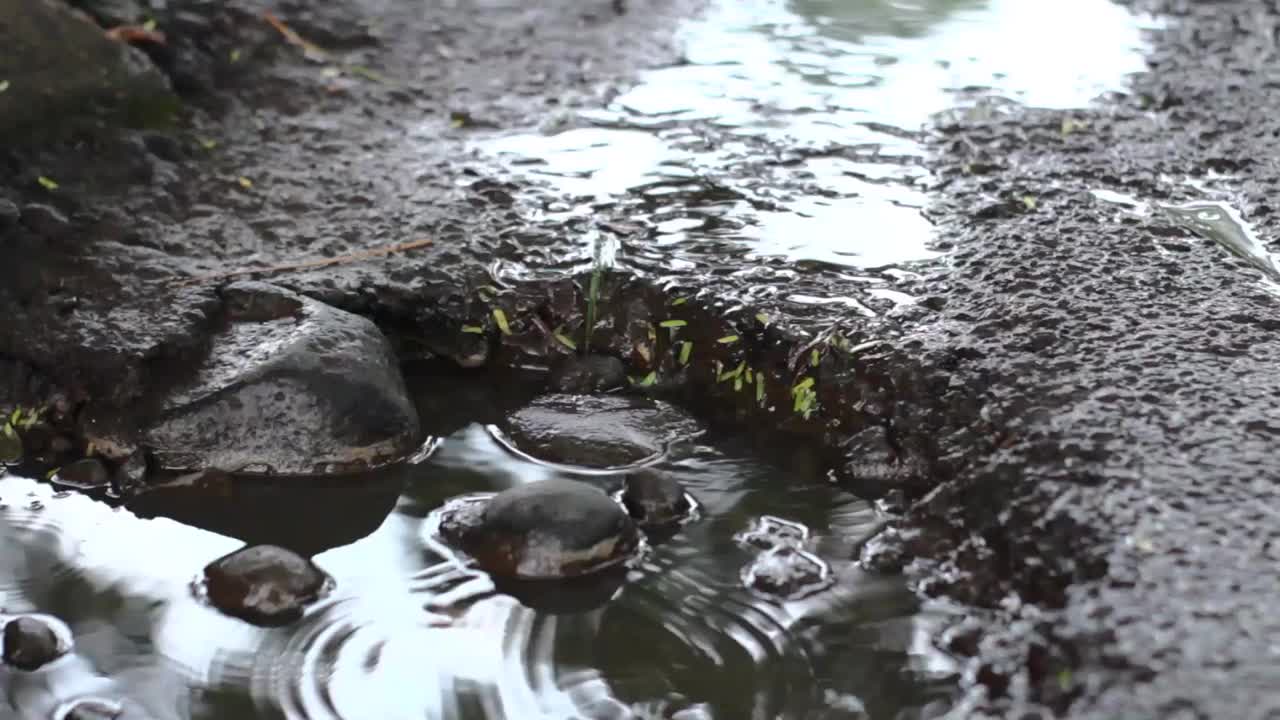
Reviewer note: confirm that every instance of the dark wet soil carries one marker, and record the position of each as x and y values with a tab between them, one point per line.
1081	412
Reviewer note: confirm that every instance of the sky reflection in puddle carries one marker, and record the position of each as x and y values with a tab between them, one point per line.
788	104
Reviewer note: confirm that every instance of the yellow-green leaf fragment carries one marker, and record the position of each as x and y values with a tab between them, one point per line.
760	389
673	323
244	182
1029	202
1070	125
10	445
728	340
801	386
473	329
686	348
501	318
1064	680
679	301
366	73
4	85
235	55
764	319
815	357
46	183
564	340
648	380
207	144
150	25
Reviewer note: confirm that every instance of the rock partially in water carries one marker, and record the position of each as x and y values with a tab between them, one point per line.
587	374
598	431
787	573
86	474
770	532
31	643
551	529
90	708
265	585
56	64
290	386
885	553
654	498
131	475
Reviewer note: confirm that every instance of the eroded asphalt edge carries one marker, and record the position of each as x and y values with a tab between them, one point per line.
1097	391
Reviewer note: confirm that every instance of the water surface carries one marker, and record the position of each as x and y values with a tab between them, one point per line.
411	633
793	129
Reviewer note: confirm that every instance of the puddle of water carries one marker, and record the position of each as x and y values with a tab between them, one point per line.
408	633
1214	220
1223	224
792	130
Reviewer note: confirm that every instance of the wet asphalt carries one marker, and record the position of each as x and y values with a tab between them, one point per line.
1087	404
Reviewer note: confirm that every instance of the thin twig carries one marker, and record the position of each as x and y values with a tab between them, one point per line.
294	38
310	264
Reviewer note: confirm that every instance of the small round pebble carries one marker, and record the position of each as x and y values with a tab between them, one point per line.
30	644
654	498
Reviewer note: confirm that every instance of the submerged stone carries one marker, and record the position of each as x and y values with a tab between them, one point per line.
551	529
654	498
264	585
93	708
787	572
770	532
597	431
30	644
290	386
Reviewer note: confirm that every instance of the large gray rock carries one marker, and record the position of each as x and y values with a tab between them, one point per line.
57	63
290	386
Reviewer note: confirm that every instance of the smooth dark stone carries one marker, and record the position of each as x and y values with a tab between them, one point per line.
30	644
654	498
264	585
551	529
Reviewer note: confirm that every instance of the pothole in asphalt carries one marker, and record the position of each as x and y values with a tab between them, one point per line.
411	628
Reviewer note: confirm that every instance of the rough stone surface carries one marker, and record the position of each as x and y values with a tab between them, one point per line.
57	64
787	573
314	391
1113	390
1095	391
30	644
330	167
264	585
551	529
597	431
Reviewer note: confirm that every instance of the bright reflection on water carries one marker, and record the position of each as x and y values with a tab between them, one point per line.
792	130
409	634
